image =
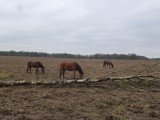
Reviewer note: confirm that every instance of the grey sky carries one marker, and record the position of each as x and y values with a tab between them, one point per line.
81	26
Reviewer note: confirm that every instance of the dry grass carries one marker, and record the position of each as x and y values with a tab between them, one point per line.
14	68
107	100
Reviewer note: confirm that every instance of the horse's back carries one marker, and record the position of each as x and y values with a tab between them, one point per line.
29	63
62	65
69	65
34	64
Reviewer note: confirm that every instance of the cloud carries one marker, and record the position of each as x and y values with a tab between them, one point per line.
81	26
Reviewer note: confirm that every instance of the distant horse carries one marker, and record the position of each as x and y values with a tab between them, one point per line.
108	64
36	65
70	66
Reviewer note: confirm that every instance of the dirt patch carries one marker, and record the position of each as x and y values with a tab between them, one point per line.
80	103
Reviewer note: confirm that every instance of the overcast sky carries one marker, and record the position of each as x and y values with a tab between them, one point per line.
81	26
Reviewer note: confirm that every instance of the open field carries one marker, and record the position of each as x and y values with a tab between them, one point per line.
107	100
14	68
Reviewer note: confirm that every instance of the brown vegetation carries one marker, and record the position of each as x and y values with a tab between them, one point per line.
106	100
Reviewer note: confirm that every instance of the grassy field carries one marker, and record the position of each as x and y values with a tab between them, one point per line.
107	100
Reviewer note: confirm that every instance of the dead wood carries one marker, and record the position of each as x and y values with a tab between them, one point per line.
60	82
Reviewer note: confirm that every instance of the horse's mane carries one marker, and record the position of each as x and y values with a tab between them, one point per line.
40	64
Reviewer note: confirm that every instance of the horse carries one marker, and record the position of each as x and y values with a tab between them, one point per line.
108	64
36	65
70	66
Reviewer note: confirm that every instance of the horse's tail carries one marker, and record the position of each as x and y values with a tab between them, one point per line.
42	67
27	68
104	63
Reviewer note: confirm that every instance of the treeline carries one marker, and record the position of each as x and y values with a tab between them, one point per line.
66	55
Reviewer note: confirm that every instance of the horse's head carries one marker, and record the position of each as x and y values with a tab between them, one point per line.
81	74
112	65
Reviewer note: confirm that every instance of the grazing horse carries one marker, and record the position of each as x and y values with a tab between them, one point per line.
36	65
107	63
70	66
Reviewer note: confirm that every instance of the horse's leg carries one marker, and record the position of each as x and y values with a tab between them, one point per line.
104	66
74	74
60	73
63	73
42	70
36	70
30	69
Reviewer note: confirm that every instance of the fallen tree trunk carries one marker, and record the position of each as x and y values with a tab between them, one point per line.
54	82
126	77
61	82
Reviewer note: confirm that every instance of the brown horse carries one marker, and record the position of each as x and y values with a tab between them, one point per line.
73	66
108	64
36	65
